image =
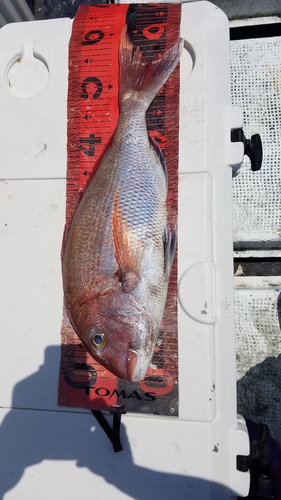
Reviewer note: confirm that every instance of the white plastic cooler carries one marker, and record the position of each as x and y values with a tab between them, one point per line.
47	451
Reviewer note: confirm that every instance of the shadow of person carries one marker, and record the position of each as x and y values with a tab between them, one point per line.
259	394
30	436
259	399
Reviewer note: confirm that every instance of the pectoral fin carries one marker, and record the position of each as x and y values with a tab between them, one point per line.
128	249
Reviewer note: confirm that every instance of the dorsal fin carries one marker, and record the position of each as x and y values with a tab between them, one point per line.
160	155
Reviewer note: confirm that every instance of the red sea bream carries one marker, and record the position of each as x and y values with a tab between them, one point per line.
119	249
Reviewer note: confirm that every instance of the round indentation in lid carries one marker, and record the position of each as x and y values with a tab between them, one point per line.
197	292
187	61
27	74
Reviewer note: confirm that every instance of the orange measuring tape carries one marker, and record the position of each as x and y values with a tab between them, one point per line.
92	119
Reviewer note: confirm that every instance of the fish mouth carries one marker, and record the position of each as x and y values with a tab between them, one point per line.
132	361
136	369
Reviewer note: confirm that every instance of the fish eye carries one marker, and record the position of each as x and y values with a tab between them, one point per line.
98	339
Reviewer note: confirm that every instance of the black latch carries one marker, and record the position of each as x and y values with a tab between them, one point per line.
252	147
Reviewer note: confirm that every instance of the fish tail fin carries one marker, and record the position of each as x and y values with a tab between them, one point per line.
140	80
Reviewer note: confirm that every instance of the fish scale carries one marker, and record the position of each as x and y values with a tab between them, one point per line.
138	219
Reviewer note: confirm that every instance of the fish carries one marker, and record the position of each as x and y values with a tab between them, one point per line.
119	249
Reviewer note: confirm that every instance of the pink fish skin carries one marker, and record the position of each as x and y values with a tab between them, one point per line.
119	249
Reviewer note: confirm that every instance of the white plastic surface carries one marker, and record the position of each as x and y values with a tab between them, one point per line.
33	133
63	453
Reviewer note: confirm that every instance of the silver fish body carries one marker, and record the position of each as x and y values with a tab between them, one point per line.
119	250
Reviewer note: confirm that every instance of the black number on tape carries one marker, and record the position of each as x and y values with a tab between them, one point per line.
78	367
88	40
91	80
92	141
